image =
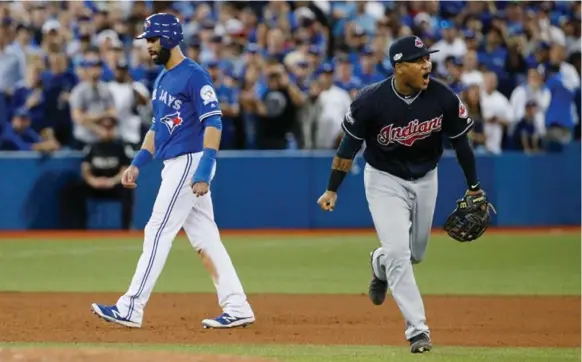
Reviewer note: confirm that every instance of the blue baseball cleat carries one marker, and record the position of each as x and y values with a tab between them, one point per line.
225	320
110	313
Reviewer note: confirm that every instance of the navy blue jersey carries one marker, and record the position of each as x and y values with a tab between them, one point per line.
404	136
183	98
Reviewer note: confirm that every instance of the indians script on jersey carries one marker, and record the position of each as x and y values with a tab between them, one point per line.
408	134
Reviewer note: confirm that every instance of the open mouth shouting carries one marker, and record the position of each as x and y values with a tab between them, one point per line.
425	78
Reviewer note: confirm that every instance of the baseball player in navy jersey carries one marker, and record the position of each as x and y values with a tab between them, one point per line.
402	119
185	135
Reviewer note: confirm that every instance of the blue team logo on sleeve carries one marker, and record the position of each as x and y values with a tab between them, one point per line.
172	121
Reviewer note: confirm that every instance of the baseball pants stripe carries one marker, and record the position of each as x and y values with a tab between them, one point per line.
159	233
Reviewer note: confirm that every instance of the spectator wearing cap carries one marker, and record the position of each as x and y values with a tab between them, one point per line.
83	39
335	103
128	97
52	39
451	44
58	81
82	45
345	78
533	90
214	52
90	101
314	58
19	136
310	28
496	112
23	46
252	57
454	68
207	35
309	113
366	69
277	109
540	55
525	137
355	39
471	40
227	94
301	75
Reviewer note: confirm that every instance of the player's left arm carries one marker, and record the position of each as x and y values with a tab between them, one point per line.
457	124
208	107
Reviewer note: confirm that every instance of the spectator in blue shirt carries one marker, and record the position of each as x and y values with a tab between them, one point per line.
525	137
19	136
227	95
301	75
345	78
58	81
30	94
454	67
559	122
493	56
366	69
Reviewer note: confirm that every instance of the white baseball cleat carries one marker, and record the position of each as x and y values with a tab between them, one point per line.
225	320
110	313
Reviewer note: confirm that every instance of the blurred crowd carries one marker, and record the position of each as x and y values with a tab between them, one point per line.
286	72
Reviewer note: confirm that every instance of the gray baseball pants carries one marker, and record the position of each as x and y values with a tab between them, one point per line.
402	212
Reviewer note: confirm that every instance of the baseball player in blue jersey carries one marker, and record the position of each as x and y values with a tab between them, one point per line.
185	135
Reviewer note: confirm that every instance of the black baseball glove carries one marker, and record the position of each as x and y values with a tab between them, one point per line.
470	218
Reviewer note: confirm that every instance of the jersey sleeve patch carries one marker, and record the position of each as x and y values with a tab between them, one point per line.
208	94
463	113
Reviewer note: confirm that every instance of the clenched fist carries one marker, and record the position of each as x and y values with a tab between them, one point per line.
200	188
327	200
129	177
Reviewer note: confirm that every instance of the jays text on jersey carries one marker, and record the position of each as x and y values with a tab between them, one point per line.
404	135
183	97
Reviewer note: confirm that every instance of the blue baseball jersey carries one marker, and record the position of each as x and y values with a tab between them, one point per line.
183	99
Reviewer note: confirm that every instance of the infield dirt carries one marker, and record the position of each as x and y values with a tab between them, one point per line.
298	319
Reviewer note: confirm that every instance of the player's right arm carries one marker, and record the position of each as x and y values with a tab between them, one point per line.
143	157
354	127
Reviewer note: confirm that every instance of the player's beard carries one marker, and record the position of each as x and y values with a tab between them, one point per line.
163	57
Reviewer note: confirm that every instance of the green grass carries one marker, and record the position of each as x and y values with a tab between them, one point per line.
497	264
304	353
513	264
